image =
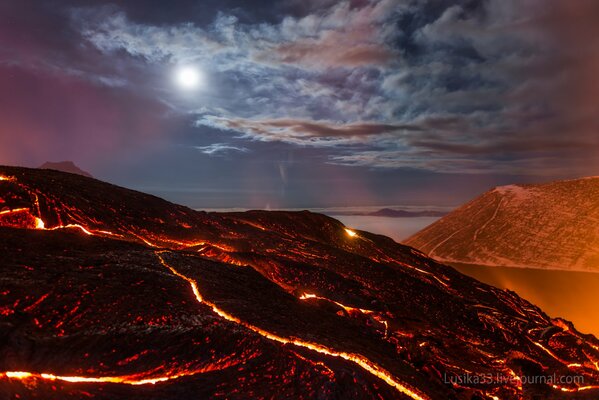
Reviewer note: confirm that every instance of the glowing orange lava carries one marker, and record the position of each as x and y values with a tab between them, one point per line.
576	389
350	233
16	210
357	359
39	224
306	296
349	309
225	254
126	379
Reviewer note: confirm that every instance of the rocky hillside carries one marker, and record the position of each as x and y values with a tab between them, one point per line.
108	293
553	225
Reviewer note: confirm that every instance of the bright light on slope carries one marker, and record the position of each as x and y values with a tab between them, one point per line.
350	233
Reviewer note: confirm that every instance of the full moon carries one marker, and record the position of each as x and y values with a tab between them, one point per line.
188	78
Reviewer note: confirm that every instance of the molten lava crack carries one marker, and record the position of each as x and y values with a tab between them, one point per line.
357	359
126	379
349	309
506	317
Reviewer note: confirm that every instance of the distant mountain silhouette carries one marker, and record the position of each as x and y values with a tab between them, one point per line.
65	166
552	225
391	213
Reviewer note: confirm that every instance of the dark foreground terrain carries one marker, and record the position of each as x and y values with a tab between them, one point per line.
108	293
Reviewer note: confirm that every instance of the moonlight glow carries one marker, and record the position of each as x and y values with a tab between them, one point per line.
188	78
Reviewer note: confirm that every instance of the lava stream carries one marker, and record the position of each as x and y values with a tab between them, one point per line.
577	389
134	380
349	309
357	359
307	296
16	210
80	227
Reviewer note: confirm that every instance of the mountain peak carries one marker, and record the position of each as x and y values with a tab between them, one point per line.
65	166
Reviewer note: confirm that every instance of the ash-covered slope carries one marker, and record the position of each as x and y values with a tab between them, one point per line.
109	293
553	225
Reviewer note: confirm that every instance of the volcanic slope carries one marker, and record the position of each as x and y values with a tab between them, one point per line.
109	293
553	225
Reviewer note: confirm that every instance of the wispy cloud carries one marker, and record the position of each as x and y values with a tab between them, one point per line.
306	132
431	85
220	148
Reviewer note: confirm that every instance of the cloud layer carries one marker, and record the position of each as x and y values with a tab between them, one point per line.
462	86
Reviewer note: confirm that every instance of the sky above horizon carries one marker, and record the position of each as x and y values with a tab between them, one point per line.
303	103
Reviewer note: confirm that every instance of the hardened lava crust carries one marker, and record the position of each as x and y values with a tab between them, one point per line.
109	293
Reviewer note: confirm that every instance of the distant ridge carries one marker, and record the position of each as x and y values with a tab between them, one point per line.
65	166
390	213
553	225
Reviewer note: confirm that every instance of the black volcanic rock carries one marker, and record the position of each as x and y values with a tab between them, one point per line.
65	166
551	225
109	293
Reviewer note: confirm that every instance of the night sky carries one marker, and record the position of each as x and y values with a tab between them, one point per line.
303	103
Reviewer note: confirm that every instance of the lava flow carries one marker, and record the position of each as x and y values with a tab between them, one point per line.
97	277
126	380
355	358
350	232
348	309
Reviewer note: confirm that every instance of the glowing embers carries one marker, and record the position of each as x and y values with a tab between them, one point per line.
350	233
6	178
357	359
